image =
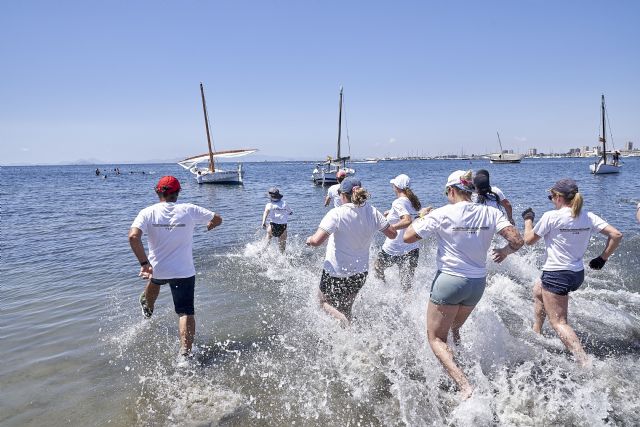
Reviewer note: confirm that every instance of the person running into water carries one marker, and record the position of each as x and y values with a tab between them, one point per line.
489	195
566	231
169	228
332	192
395	251
349	229
463	232
276	213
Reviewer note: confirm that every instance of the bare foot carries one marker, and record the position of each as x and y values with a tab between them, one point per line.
465	393
585	362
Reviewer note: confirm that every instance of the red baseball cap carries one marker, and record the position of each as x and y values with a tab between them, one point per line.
168	184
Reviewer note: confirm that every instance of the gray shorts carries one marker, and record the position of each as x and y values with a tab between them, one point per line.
456	290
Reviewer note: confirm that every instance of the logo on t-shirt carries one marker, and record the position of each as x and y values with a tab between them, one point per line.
470	229
574	230
169	226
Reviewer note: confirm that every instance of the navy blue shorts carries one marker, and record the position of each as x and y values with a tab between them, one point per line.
562	282
182	293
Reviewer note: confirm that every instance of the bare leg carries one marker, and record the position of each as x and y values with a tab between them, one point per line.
283	241
439	321
557	309
151	292
538	307
187	328
378	268
333	311
463	312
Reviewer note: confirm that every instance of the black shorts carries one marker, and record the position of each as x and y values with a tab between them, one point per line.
277	229
182	293
341	291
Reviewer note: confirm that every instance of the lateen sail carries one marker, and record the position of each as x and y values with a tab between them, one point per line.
227	154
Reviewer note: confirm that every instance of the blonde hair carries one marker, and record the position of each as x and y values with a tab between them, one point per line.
576	205
574	200
358	196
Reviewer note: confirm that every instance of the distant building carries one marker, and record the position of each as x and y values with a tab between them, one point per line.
585	151
628	146
532	152
574	151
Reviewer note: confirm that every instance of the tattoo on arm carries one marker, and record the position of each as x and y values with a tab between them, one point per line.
513	237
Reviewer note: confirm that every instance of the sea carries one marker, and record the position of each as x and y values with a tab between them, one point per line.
75	349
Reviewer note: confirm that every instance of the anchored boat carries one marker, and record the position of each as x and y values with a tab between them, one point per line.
203	166
325	173
601	166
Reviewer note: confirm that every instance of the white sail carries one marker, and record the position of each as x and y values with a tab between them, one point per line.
228	154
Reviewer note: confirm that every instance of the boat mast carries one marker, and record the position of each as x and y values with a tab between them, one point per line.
603	139
339	122
206	123
499	142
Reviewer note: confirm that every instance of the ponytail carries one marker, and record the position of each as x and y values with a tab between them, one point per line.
359	196
576	205
415	202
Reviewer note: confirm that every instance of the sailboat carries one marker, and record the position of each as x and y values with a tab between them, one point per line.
601	166
503	157
325	173
210	174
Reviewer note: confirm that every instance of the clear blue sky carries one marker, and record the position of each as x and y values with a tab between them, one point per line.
118	80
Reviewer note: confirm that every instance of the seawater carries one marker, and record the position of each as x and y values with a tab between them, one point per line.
76	350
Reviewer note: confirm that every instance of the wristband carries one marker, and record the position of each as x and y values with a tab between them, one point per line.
143	263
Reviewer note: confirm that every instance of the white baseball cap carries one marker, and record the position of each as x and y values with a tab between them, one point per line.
456	179
401	181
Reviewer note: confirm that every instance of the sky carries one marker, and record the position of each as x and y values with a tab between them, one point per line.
118	81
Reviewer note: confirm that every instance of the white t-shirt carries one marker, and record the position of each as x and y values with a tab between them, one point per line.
278	212
169	229
333	193
490	200
351	230
566	237
400	207
463	231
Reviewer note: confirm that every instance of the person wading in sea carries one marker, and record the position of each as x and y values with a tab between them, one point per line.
490	195
463	232
566	231
349	228
169	228
276	214
395	251
332	192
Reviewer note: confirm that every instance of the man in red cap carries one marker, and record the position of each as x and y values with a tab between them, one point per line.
169	228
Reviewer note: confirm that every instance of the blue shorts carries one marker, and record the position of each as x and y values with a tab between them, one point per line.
182	293
456	290
562	282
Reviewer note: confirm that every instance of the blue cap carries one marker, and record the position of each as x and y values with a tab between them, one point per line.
566	187
349	184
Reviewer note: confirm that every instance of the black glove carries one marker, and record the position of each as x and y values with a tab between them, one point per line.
528	214
597	263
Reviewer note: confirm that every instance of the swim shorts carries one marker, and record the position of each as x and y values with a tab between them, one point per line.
341	291
562	282
456	290
182	292
277	229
